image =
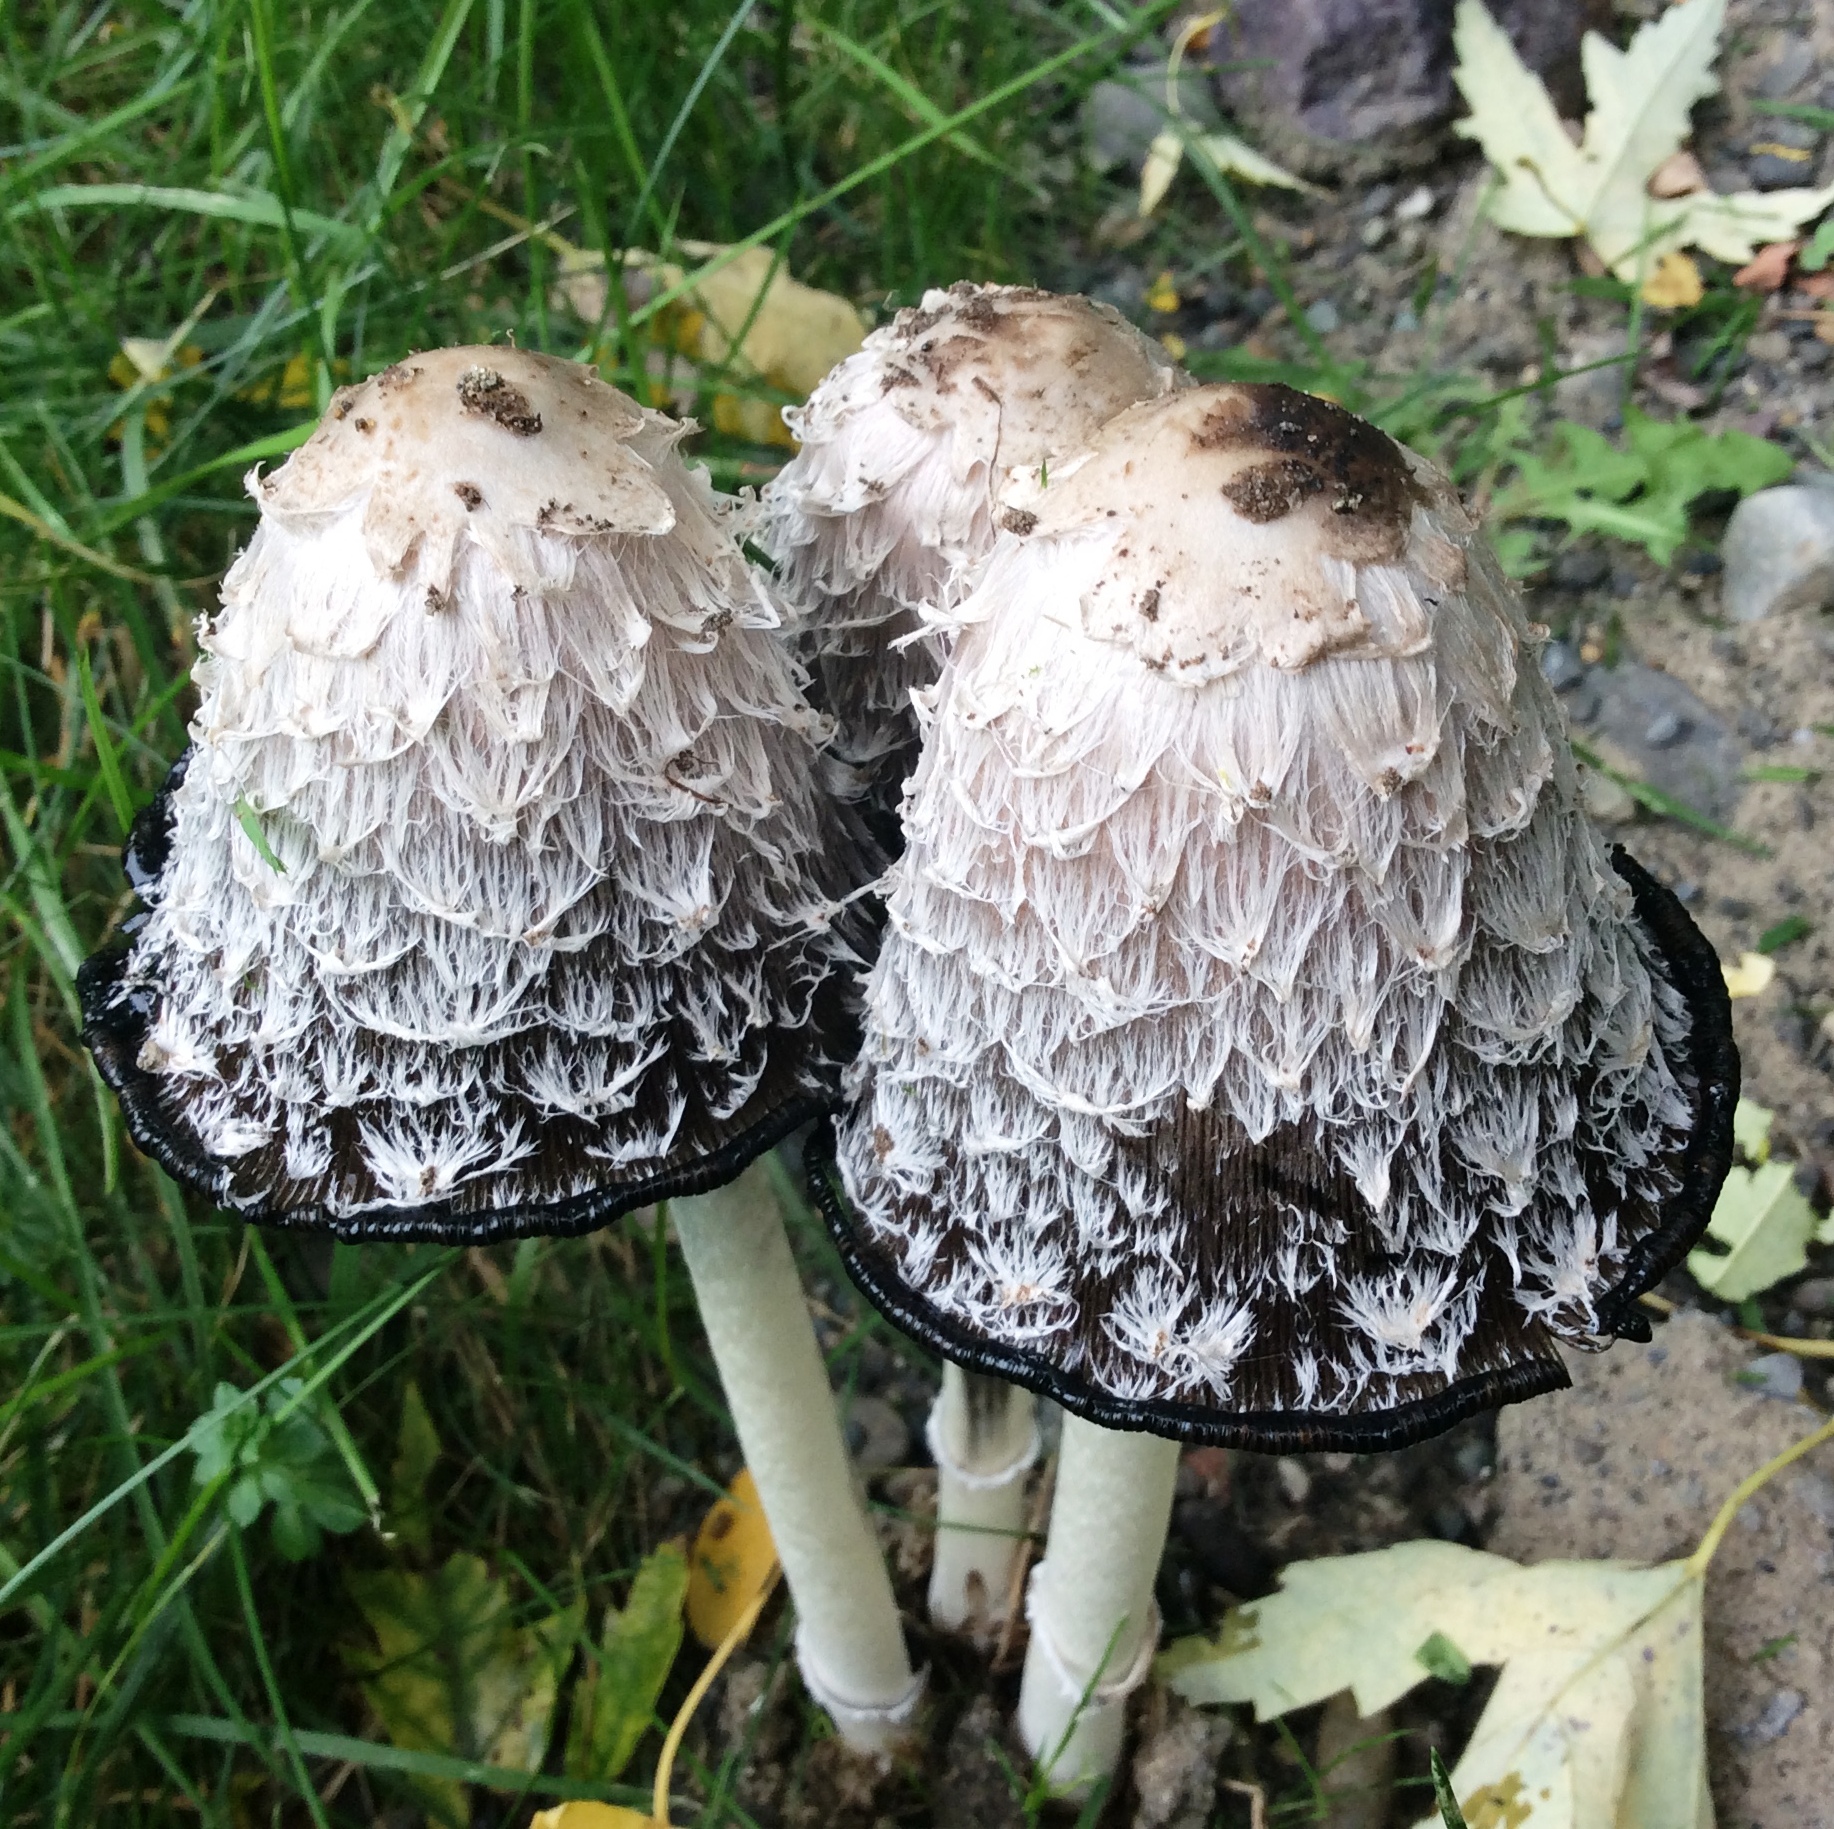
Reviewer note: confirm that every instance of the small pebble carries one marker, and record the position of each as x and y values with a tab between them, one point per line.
1323	316
1561	666
1378	199
1666	729
1374	232
1814	353
1417	205
1687	894
1406	320
1771	346
1451	1523
876	1434
1582	569
1779	552
1776	1375
1815	1296
1774	1722
1582	704
1606	801
1295	1482
1624	581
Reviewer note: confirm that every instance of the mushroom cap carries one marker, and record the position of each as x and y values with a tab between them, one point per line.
494	895
1265	1048
891	499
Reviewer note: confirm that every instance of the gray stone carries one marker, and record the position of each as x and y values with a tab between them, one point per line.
1699	766
1417	205
1120	118
876	1433
1584	568
1777	1375
1773	1721
1355	88
1175	1770
1779	552
1782	154
1815	1296
1561	666
1323	316
1666	729
1790	64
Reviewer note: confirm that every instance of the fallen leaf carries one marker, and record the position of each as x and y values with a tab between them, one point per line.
451	1671
1751	1131
1595	1719
1228	152
589	1815
732	1562
1751	976
1640	99
748	317
1675	283
1764	1224
615	1700
1770	270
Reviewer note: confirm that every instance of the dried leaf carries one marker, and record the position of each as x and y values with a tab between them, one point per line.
452	1672
1675	284
1751	1131
1229	153
1765	1225
1640	98
1162	295
1770	270
1595	1721
732	1562
1751	976
588	1815
1679	175
748	317
615	1701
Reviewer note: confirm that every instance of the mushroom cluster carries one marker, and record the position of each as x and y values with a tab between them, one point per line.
1265	1048
496	896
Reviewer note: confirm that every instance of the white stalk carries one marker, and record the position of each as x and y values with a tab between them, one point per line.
1094	1624
984	1435
849	1642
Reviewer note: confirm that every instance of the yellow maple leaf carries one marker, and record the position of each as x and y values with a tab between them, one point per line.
1675	284
733	1561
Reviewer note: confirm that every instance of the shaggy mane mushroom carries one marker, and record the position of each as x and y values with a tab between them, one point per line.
1266	1049
496	896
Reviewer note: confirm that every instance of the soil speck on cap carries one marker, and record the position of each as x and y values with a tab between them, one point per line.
483	390
469	493
1314	448
1019	520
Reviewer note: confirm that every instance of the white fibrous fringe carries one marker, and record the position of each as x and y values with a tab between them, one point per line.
1280	1042
551	898
877	523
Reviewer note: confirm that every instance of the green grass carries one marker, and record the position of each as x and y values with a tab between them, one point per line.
290	196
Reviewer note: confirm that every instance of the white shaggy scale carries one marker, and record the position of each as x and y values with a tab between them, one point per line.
892	498
551	905
1261	1029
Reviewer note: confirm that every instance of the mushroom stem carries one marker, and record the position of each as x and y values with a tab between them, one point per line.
1090	1603
984	1435
849	1642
